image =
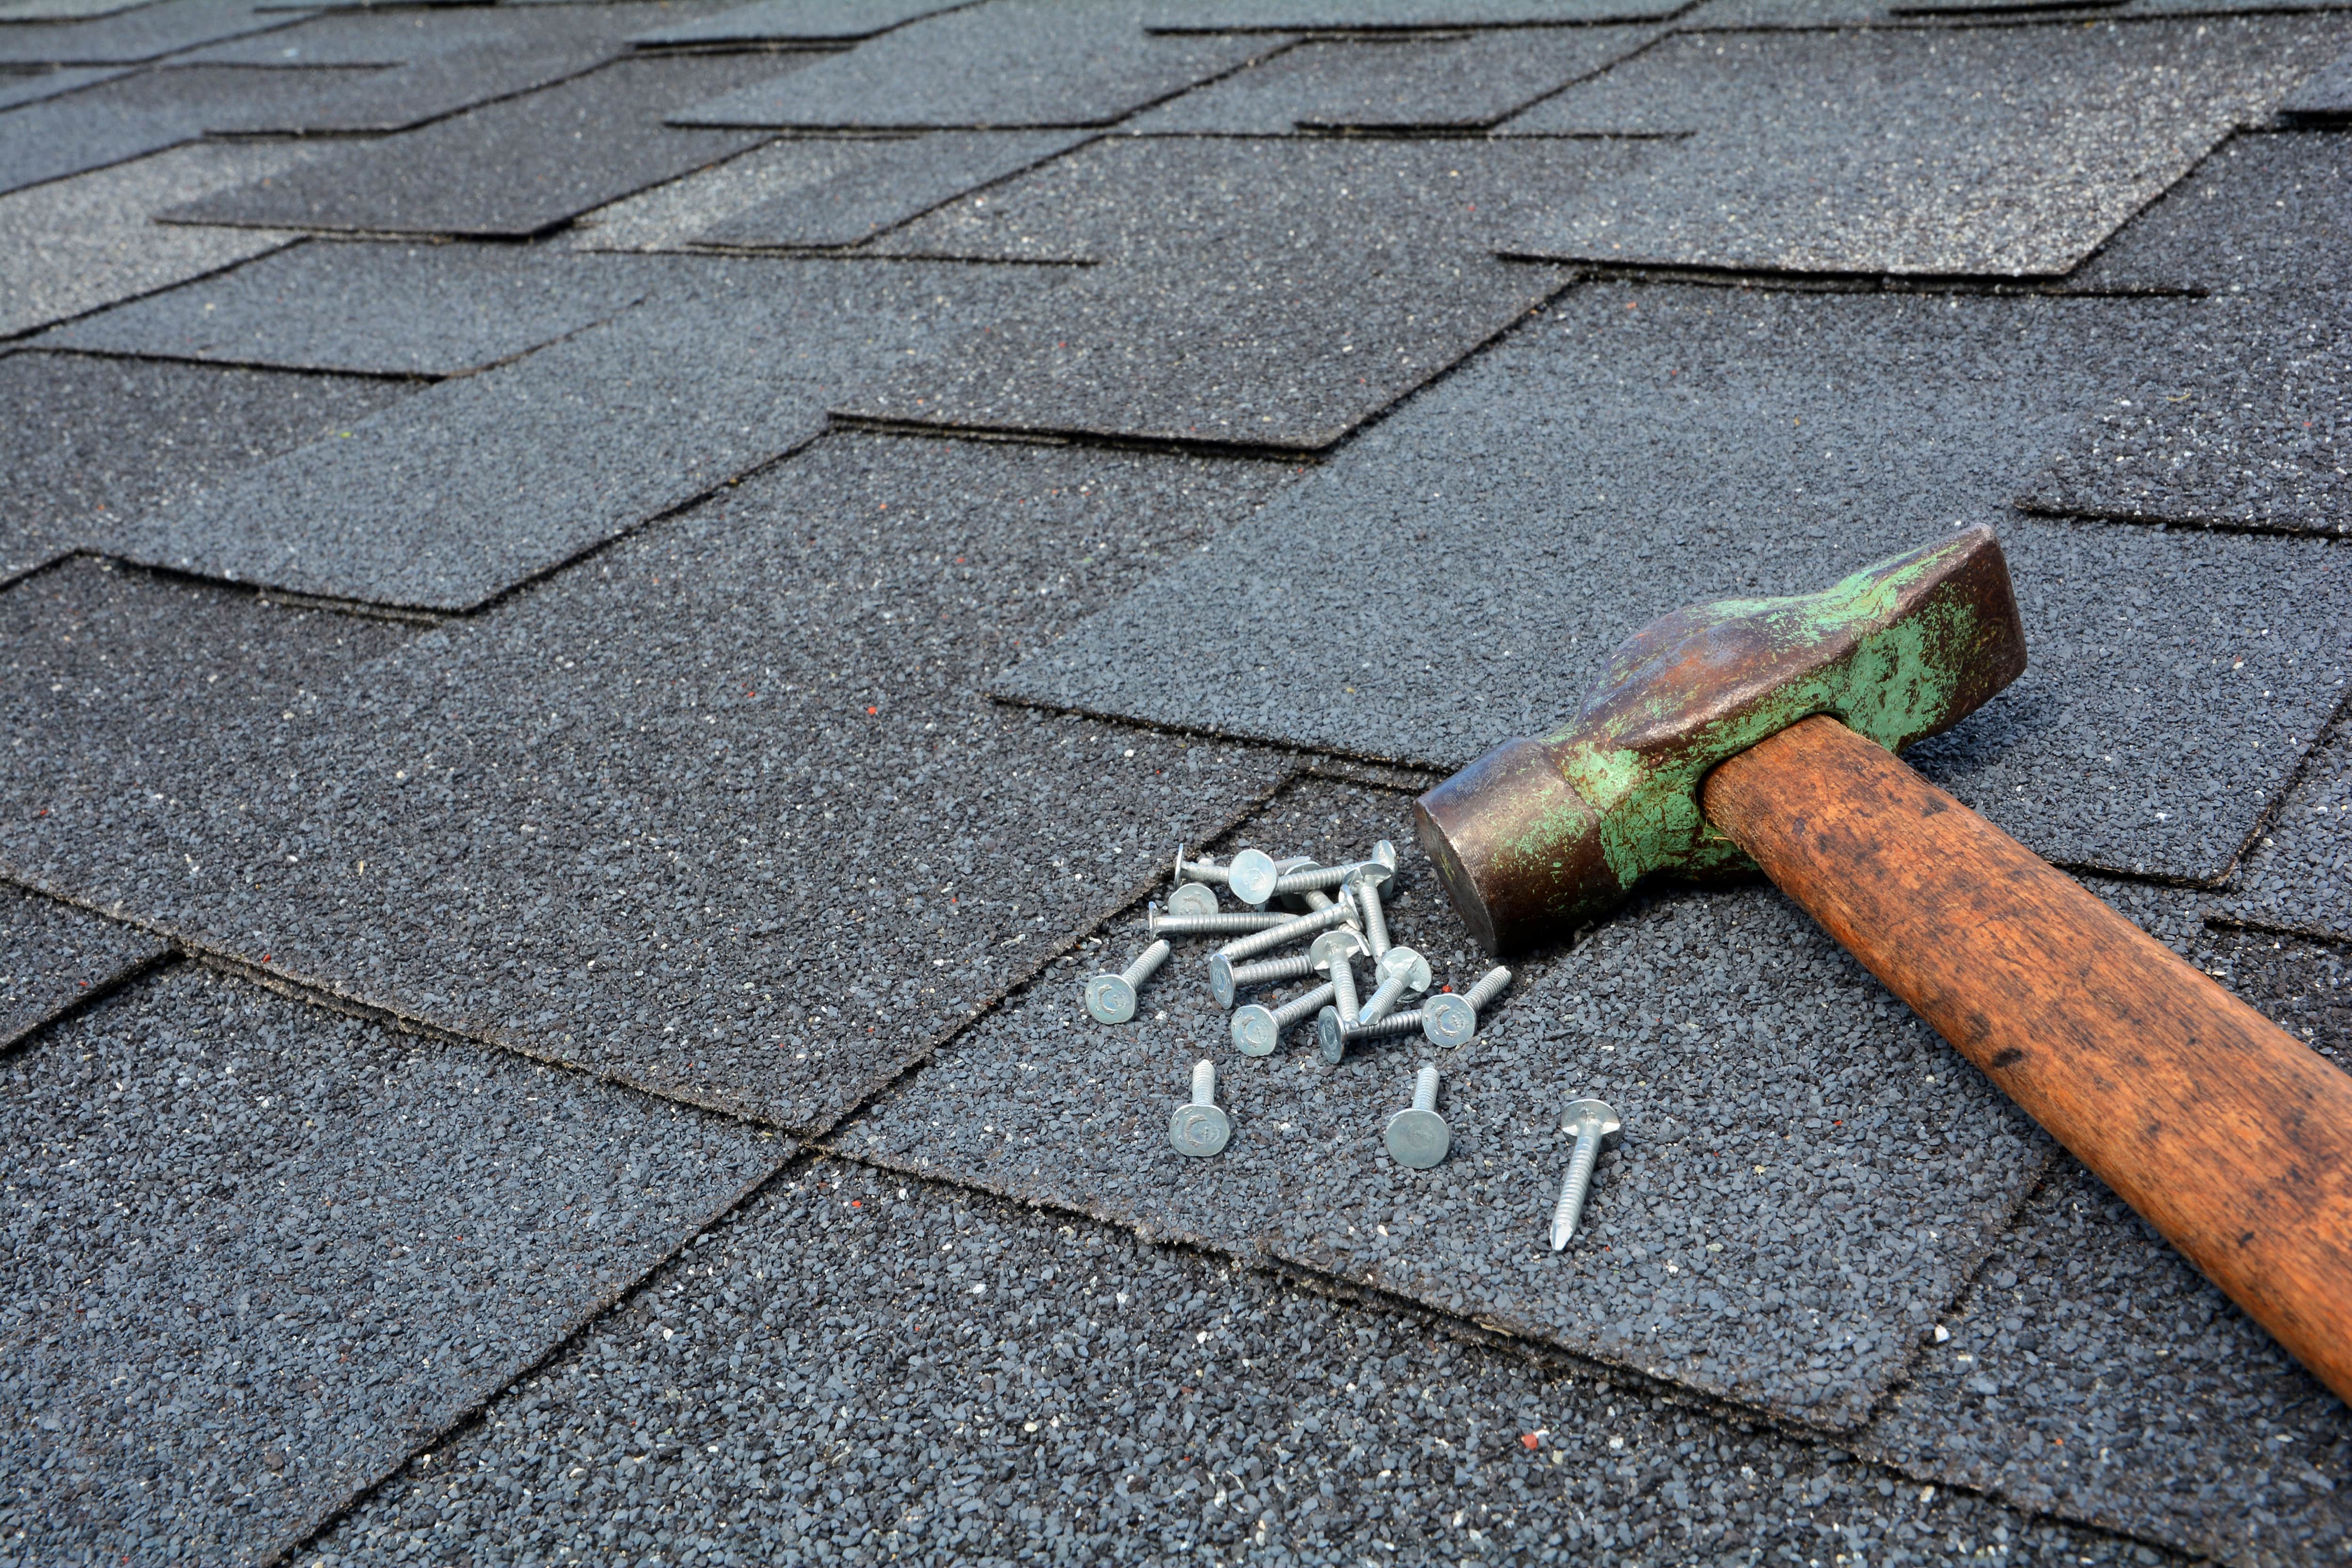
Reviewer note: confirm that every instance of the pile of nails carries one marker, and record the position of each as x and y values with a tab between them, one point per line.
1337	912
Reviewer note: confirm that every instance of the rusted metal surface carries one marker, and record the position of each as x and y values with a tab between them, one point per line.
1538	836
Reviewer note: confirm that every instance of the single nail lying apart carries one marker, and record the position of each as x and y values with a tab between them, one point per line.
1419	1138
1596	1128
1199	1130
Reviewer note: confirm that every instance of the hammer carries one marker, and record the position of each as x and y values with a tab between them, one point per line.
1761	733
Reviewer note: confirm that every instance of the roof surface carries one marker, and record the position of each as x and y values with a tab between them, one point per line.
605	608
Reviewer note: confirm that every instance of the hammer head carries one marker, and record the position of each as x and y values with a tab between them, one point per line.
1538	838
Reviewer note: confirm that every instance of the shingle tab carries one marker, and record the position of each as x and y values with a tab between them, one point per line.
130	116
437	62
89	438
2326	96
1443	84
793	22
720	812
1858	154
1007	1385
33	86
61	10
511	169
383	310
2244	421
448	499
1008	64
1638	449
1278	293
140	34
311	1241
78	245
836	191
2264	214
1376	15
2091	1372
2299	878
55	958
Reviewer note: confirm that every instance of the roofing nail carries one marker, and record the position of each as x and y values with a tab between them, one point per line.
1419	1138
1210	925
1451	1020
1367	891
1298	929
1257	1031
1596	1127
1343	991
1400	970
1250	874
1192	898
1110	998
1226	979
1332	1024
1311	877
1335	1040
1199	1129
1288	898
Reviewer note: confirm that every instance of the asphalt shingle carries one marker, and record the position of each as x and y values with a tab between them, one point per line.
138	34
60	10
859	1363
822	192
375	308
89	438
484	482
2326	96
1281	291
2299	878
1384	15
664	749
1862	153
1807	1172
79	245
1725	16
130	116
21	87
1638	448
2245	421
510	169
2264	214
2091	1372
258	1250
436	61
55	958
793	22
721	813
1004	64
1442	84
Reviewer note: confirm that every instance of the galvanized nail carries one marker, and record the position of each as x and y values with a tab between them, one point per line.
1419	1138
1596	1127
1448	1019
1224	924
1297	929
1256	1030
1199	1130
1110	998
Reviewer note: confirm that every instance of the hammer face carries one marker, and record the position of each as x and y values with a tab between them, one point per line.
1538	836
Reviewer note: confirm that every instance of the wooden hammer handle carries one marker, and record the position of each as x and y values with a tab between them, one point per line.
2229	1136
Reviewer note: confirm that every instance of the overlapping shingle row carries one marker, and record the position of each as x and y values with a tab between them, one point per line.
658	585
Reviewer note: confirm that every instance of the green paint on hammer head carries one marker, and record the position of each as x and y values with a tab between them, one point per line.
1540	836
